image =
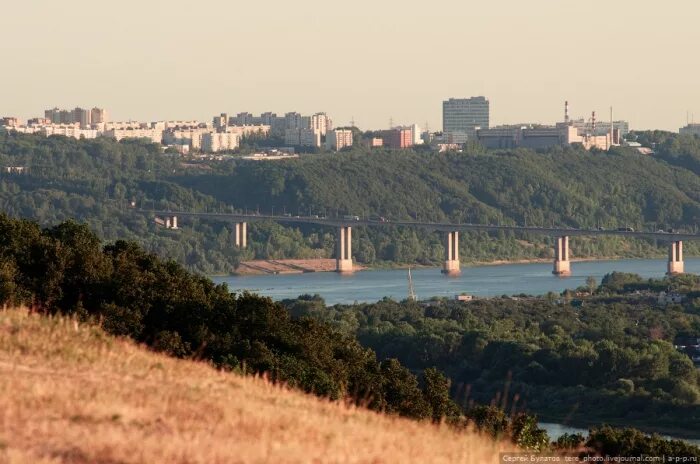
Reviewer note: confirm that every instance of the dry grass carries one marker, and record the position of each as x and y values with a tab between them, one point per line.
70	393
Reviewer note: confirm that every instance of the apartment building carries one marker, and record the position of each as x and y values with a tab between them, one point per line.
397	138
155	135
337	139
213	142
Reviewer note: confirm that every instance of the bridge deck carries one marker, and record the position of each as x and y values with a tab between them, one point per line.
443	227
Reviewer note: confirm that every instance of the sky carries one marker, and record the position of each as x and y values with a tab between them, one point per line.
367	61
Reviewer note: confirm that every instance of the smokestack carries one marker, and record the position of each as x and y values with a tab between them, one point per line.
566	112
593	122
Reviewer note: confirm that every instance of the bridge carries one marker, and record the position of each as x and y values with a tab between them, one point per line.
451	266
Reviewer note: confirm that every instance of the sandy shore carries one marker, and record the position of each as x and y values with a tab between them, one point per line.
302	266
289	266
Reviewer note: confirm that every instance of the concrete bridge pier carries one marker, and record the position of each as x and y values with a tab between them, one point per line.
173	222
562	265
343	260
241	235
451	266
675	258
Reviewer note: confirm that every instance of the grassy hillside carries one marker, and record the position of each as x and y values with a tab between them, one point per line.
72	393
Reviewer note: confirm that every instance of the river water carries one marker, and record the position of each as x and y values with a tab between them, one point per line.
495	280
509	279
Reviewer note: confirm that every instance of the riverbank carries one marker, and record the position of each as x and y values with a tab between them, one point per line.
289	266
581	425
302	266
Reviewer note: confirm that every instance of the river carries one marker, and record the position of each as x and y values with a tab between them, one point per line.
490	280
510	279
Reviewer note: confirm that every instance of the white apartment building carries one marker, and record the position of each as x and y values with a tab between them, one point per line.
191	137
67	130
155	135
338	139
322	123
70	130
213	142
302	137
244	131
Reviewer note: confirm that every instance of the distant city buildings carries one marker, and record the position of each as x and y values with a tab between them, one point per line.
337	139
296	129
10	121
461	117
213	142
84	117
464	119
155	135
376	142
690	129
401	137
67	130
586	133
398	138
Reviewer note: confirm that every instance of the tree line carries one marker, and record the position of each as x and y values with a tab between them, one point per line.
605	358
65	269
95	181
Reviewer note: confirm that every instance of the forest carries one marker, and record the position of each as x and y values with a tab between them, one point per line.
605	358
66	269
95	181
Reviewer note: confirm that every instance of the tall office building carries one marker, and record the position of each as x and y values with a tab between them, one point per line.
462	116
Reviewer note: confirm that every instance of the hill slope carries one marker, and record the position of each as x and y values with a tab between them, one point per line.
93	181
73	394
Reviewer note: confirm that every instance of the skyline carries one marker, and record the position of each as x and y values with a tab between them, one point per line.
370	63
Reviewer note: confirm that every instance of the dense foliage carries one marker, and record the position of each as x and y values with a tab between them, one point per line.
65	269
608	358
95	180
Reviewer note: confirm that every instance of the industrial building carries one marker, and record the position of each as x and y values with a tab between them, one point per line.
588	134
690	129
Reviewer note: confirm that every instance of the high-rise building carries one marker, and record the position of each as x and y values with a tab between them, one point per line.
53	115
338	139
294	120
98	116
461	117
82	117
221	122
321	122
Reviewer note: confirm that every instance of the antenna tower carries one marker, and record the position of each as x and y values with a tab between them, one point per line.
411	290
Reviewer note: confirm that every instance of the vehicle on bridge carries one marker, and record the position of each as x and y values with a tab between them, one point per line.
351	217
625	229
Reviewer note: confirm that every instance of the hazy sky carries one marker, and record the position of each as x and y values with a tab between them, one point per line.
371	60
